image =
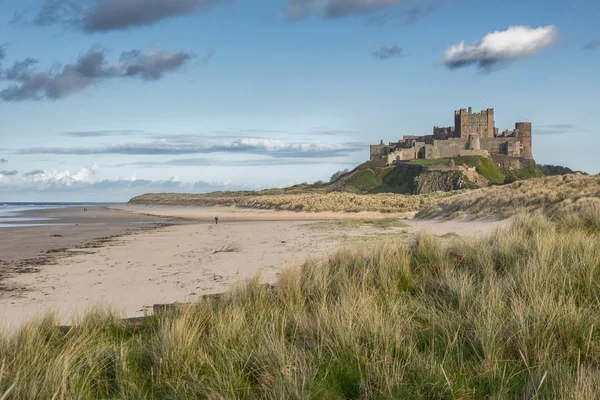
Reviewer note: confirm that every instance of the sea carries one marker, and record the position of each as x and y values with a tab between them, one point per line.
12	214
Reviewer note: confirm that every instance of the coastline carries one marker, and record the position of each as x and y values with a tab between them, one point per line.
67	227
173	255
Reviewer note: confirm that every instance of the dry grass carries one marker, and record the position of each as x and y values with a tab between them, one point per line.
554	196
510	316
229	248
384	223
312	202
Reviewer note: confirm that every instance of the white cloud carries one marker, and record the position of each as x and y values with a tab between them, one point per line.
64	179
85	179
516	42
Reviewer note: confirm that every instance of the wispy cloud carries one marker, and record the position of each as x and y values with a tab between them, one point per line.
103	133
500	47
592	45
4	172
333	9
407	16
205	162
385	53
34	172
91	68
271	147
556	129
109	15
3	160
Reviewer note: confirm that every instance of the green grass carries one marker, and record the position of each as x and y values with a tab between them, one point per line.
396	180
514	315
384	223
490	171
433	161
364	180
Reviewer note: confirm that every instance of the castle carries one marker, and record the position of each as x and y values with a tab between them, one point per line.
473	134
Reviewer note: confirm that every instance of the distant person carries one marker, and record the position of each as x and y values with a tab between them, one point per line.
216	220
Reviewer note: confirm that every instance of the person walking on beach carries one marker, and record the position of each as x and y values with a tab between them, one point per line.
216	220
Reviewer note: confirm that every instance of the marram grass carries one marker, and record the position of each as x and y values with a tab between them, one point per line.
311	202
515	315
553	195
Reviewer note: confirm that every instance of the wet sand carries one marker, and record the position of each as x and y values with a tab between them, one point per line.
67	228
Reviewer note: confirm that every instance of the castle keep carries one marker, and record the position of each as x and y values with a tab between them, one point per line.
473	134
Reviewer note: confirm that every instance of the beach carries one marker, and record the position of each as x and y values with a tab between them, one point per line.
131	257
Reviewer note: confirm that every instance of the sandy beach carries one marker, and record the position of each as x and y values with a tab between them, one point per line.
159	255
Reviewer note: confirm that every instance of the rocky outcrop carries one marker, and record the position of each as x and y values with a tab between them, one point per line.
445	181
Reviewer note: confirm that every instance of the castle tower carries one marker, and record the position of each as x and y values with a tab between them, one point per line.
474	142
466	122
523	130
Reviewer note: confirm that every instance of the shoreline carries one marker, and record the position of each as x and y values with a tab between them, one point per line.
68	227
185	258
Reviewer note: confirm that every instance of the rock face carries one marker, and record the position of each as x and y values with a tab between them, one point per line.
446	181
509	163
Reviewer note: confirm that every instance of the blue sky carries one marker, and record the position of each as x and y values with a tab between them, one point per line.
242	94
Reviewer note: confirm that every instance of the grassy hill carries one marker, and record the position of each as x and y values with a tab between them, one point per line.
372	186
376	177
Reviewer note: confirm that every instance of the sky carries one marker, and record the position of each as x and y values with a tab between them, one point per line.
102	100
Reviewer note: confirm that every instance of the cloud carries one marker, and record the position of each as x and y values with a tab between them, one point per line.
417	13
385	53
556	129
333	9
103	133
90	69
84	180
34	172
408	16
260	146
592	45
499	47
93	16
3	160
4	172
204	162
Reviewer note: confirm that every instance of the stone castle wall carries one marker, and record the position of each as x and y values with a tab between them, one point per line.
378	151
466	122
523	132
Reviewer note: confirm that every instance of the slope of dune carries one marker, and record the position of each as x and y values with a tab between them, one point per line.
553	195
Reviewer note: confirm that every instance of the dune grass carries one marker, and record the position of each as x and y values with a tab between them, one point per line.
554	196
311	202
515	315
383	223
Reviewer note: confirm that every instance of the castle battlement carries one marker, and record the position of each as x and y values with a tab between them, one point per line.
472	134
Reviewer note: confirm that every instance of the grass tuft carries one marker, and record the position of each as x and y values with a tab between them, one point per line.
228	248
